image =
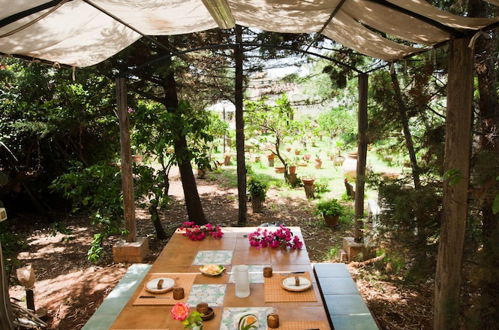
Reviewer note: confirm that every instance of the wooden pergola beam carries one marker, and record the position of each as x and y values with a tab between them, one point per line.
458	125
126	160
238	97
361	156
221	13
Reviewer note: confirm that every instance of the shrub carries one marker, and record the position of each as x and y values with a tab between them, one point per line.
97	189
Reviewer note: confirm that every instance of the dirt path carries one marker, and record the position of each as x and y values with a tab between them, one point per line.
71	288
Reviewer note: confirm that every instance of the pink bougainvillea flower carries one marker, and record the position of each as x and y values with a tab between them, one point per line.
180	311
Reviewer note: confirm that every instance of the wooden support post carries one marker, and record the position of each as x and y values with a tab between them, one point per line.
361	156
241	161
5	308
126	160
455	194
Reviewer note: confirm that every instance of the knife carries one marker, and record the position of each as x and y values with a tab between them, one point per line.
291	273
154	297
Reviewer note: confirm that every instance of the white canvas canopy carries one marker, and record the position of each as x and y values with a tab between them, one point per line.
75	33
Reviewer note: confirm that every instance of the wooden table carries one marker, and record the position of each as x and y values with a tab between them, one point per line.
178	255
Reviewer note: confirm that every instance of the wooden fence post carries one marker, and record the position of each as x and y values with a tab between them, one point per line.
361	156
126	160
455	199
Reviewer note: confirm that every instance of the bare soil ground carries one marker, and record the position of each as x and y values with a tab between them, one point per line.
71	288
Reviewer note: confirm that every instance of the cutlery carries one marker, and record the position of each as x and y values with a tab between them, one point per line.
154	297
291	273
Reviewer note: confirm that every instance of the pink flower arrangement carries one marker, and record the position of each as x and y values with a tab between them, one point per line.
198	233
282	237
180	311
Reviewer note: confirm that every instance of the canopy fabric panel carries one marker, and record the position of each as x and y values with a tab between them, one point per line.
285	16
398	25
425	9
347	31
155	17
77	34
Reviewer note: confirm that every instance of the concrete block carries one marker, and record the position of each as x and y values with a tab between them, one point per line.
133	252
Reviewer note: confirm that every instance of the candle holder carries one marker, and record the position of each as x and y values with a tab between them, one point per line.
267	272
273	321
178	293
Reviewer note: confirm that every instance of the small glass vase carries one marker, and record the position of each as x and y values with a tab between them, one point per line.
241	278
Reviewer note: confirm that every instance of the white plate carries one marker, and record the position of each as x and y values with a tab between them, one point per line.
289	283
220	267
239	318
152	285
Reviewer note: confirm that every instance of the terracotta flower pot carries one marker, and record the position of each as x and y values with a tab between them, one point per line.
331	220
297	152
279	169
288	149
201	173
308	185
137	158
292	169
318	163
270	158
307	157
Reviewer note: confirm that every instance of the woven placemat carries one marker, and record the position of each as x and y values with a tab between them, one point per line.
274	292
182	280
300	325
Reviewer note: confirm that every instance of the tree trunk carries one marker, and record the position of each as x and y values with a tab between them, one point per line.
5	309
455	197
361	157
158	226
241	161
407	132
486	61
191	195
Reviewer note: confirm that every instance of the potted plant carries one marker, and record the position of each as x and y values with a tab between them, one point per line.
307	157
270	158
318	161
297	152
257	190
331	210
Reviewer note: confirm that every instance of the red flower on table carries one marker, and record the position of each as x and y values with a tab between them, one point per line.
180	311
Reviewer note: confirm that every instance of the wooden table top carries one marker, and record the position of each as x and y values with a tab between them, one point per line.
178	256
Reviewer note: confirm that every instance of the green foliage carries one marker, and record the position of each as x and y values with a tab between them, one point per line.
410	223
47	121
272	125
341	122
96	189
330	207
257	188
